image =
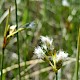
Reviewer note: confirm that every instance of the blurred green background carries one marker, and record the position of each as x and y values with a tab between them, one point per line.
59	19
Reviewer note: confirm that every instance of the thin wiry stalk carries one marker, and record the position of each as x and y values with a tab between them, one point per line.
45	5
25	56
17	39
2	61
27	5
77	56
56	76
5	42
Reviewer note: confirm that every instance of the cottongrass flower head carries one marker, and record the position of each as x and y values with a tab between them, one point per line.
47	42
61	56
65	3
47	53
39	52
45	47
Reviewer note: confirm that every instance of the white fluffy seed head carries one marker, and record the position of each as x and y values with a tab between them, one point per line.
46	46
47	41
65	3
61	56
39	52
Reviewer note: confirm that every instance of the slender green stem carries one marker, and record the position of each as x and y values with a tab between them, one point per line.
53	67
25	56
27	5
2	62
45	11
56	76
17	39
59	74
77	56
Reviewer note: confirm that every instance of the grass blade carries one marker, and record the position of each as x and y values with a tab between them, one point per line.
17	39
77	56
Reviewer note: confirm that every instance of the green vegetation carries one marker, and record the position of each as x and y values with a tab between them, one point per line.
58	19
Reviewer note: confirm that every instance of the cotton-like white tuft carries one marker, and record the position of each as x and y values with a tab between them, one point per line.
65	3
47	41
61	56
39	52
